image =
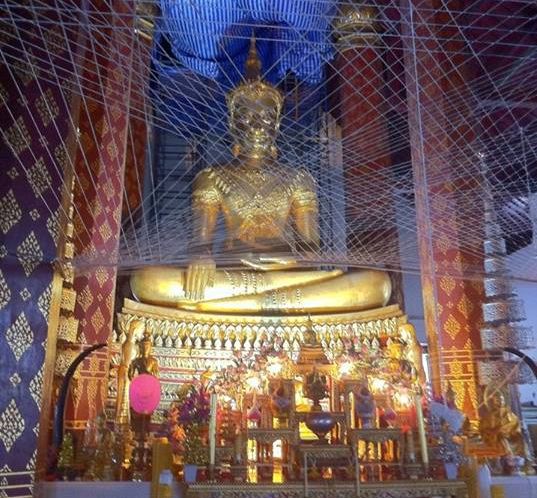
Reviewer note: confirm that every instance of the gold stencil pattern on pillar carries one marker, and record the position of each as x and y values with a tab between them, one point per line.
47	107
5	293
38	177
10	212
29	253
11	425
19	336
18	136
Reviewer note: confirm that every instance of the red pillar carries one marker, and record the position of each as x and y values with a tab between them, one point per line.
362	105
440	124
105	89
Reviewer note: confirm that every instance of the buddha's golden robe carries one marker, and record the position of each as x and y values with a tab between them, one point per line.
258	205
265	210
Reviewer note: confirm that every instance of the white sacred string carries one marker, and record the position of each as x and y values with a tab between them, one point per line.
146	239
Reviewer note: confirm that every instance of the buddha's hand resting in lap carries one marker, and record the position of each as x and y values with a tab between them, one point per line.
269	263
200	274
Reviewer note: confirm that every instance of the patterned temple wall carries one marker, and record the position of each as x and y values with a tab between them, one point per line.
34	121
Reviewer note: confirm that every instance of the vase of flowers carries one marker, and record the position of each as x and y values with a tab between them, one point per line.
188	419
195	452
190	473
449	449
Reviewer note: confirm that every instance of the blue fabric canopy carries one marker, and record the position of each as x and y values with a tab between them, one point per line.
211	37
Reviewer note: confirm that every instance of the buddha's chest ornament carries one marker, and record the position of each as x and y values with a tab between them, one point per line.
258	201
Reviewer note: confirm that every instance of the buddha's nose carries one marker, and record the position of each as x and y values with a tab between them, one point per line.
256	123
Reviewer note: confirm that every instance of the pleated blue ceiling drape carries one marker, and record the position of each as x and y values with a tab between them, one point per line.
211	37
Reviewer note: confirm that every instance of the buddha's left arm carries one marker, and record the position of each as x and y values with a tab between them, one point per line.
306	211
307	225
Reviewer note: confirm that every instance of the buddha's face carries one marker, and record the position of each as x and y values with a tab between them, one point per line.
254	124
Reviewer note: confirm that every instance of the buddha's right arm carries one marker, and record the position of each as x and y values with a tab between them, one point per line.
202	268
206	206
204	218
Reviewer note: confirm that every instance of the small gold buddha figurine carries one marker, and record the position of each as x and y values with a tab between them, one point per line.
398	365
412	351
316	388
128	354
270	211
500	428
145	362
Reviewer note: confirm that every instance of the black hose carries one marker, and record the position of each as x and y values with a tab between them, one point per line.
57	434
524	358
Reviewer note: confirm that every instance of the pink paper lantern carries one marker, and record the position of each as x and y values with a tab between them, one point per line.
144	393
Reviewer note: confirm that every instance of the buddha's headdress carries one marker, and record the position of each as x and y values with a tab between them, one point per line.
254	88
146	338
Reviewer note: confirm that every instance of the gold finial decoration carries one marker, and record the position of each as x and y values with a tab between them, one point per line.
356	24
253	64
254	89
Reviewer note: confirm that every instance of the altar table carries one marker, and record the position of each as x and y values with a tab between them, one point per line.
517	486
514	486
329	489
333	489
98	489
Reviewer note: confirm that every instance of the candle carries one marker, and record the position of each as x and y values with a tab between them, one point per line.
162	460
421	430
411	452
212	431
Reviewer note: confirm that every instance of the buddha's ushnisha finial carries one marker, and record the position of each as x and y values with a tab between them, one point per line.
253	64
253	88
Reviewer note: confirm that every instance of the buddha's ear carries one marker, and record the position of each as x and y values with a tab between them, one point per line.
231	125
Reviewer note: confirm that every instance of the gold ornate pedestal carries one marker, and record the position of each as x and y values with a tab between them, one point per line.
179	328
187	344
194	341
393	489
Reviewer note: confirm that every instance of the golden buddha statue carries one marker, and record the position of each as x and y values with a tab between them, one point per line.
128	354
269	210
500	428
398	365
145	362
412	350
316	388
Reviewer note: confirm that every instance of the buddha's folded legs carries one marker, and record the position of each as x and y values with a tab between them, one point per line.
165	285
254	292
354	291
